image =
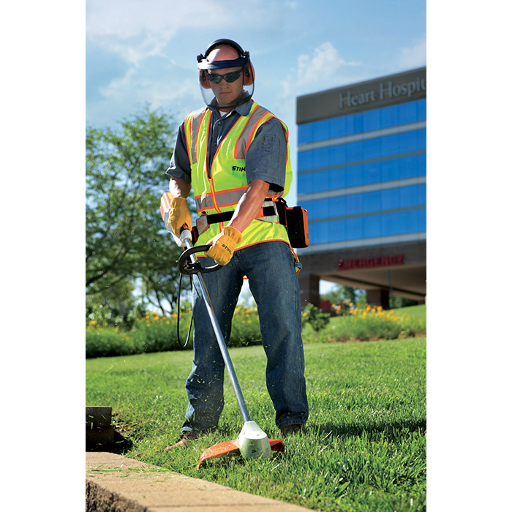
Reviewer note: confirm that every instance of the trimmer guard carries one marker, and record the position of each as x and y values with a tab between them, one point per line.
231	448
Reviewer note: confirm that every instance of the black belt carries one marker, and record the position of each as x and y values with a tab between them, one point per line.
223	217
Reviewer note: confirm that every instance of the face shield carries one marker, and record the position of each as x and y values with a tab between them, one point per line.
233	88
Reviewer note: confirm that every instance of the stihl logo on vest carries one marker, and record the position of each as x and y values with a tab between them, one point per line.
236	168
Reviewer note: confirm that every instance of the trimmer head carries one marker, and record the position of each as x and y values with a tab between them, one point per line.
252	443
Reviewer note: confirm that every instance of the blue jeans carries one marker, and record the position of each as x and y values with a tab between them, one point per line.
270	268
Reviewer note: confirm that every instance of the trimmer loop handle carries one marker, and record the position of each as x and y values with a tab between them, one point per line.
189	268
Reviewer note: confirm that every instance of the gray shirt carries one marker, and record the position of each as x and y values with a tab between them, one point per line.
265	159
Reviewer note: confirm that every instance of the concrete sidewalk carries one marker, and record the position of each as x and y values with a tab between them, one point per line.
116	483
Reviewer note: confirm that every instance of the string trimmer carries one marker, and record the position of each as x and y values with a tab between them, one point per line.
252	442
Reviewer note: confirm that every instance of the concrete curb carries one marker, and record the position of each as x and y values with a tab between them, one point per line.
116	483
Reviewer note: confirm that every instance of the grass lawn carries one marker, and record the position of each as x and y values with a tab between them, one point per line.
364	449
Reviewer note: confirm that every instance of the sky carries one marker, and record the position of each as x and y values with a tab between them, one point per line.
140	53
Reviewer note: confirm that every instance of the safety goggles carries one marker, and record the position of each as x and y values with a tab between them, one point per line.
229	77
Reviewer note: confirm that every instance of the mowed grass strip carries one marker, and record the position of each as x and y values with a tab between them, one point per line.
364	448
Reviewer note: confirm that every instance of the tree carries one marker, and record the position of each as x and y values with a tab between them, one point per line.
125	236
340	293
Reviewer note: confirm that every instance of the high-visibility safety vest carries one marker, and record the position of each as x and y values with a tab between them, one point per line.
221	189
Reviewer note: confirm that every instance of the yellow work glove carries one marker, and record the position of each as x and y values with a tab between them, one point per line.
179	214
223	245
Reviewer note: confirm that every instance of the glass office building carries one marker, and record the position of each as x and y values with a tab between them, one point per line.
362	179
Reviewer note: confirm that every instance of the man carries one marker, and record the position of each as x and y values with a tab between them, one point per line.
235	156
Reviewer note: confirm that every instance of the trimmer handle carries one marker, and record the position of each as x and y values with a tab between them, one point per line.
194	267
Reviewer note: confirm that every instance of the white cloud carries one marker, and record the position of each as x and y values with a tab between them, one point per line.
415	56
136	29
324	63
315	71
135	88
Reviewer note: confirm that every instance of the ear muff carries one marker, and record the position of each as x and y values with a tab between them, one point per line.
248	74
205	83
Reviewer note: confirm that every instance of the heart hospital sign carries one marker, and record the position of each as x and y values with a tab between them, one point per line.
385	89
350	99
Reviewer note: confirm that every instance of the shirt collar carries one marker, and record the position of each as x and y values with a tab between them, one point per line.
243	109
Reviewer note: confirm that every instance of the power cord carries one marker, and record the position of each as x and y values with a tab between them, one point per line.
179	313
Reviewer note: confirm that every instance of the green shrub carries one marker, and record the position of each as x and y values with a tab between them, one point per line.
245	329
156	333
108	341
314	316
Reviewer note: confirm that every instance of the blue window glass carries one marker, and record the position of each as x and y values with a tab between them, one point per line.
305	133
310	206
389	170
305	183
305	160
372	148
421	110
406	167
394	225
354	151
370	173
321	131
319	235
422	220
390	144
389	116
371	226
390	199
371	201
370	120
357	175
320	157
407	113
421	139
338	127
366	202
337	178
338	154
337	206
354	203
353	229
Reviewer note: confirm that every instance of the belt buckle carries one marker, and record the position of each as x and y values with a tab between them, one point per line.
270	218
202	224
